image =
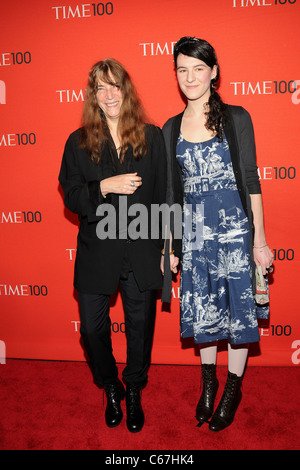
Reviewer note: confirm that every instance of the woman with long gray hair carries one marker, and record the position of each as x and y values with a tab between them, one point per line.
115	162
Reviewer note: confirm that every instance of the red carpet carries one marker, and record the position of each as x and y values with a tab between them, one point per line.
56	406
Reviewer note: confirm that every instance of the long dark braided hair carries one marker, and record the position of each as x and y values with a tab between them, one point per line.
202	50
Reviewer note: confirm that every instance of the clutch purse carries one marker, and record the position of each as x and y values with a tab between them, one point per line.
261	293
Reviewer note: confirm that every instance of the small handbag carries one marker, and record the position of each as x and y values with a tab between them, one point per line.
261	294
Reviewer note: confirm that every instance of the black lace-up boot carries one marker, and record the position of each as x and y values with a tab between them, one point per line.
113	413
210	384
228	405
135	414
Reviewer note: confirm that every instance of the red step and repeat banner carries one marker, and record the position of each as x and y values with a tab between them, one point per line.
47	49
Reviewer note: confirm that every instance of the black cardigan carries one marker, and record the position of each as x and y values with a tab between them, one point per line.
99	261
240	136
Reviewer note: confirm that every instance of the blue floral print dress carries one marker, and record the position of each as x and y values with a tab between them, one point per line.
216	300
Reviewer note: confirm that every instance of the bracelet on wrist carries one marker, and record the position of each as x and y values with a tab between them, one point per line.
260	248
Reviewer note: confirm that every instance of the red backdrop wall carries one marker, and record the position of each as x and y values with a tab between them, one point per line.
47	49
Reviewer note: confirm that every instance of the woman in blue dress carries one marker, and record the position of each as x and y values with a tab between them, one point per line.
213	176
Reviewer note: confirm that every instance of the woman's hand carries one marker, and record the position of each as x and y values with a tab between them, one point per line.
263	256
121	184
174	261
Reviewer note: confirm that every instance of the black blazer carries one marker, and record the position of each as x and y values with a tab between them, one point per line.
240	136
99	261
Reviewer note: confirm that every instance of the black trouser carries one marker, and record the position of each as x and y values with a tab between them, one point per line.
139	312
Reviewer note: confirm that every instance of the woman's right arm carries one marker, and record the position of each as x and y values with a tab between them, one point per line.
82	196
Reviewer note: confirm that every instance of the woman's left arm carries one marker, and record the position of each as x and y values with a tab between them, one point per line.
261	252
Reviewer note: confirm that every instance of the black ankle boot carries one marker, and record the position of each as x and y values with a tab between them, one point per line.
135	415
205	406
228	405
113	413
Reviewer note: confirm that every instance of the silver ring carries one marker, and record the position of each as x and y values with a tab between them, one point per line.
132	183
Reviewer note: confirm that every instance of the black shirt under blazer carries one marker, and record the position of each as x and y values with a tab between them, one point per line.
240	136
98	262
